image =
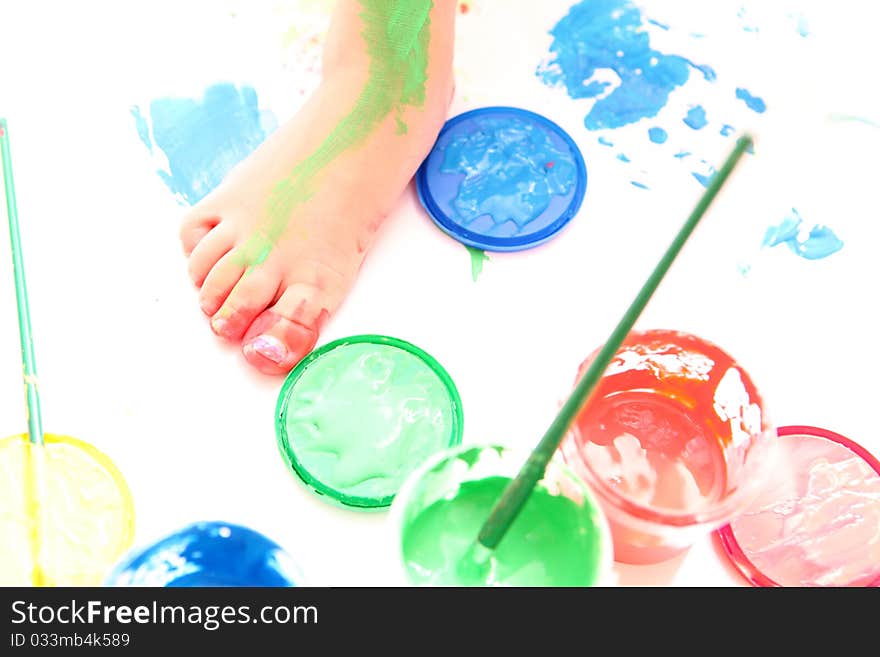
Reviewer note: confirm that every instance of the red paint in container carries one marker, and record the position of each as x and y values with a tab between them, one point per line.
675	442
817	522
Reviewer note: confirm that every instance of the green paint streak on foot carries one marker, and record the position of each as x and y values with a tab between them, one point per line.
397	35
478	257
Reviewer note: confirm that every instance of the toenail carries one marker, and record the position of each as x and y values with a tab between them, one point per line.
218	324
268	347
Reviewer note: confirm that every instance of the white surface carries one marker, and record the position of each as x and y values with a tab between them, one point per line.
127	361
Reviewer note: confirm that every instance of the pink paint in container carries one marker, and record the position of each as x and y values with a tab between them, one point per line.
675	442
817	522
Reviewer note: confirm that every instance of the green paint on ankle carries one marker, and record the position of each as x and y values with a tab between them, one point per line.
396	34
478	257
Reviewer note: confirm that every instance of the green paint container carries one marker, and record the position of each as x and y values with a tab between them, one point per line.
357	415
559	538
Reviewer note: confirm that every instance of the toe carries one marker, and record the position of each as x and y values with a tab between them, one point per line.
196	224
254	291
282	335
219	282
208	252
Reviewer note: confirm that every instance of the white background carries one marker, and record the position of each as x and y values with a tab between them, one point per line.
128	363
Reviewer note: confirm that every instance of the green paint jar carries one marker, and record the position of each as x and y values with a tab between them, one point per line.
357	415
560	538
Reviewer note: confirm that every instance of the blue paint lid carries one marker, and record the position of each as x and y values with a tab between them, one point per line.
502	179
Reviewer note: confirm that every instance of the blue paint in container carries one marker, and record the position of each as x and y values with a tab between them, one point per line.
208	554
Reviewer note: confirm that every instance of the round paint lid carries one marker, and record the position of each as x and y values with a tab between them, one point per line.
502	179
357	415
817	523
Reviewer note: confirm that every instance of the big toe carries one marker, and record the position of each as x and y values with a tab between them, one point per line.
282	335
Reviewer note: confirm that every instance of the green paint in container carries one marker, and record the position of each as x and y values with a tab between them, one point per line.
359	414
559	538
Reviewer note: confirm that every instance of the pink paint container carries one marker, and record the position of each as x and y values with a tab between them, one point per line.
817	522
675	442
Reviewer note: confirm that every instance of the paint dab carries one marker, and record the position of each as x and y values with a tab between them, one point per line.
605	142
478	257
811	244
203	139
726	130
682	154
657	135
464	8
635	183
549	165
610	34
622	157
662	26
753	102
704	178
696	118
401	126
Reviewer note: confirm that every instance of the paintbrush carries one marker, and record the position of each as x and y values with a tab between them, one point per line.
29	367
517	492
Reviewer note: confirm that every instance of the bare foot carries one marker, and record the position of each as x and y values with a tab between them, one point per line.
277	304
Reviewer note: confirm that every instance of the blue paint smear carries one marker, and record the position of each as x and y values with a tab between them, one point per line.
622	157
610	34
638	184
754	103
512	170
727	130
662	26
696	118
605	142
657	135
203	139
819	242
595	88
704	178
682	154
802	27
143	129
207	554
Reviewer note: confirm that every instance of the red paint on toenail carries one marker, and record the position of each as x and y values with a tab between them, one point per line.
268	347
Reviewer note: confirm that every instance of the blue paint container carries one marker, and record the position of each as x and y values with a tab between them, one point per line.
208	554
502	179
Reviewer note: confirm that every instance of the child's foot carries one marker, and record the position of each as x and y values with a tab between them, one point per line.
276	308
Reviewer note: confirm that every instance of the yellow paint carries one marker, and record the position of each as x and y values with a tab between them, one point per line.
66	513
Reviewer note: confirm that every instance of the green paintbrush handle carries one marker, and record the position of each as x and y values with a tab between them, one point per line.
517	492
29	366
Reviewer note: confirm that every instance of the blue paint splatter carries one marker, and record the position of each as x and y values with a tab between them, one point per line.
208	554
203	139
682	154
696	118
754	103
727	130
142	127
657	135
511	171
813	244
595	88
605	142
622	157
704	178
662	26
802	27
610	34
638	184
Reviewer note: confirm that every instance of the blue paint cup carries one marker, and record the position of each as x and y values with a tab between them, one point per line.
502	179
215	554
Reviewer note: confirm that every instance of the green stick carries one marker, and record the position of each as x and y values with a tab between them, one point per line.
517	492
29	366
